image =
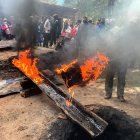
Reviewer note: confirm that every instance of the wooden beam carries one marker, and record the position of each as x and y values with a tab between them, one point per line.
92	123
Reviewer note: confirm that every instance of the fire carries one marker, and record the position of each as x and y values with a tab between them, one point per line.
93	68
65	67
90	70
28	66
72	93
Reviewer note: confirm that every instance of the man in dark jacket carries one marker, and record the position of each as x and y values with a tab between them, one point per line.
118	67
54	30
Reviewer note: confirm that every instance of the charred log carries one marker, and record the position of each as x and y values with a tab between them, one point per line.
7	70
30	92
29	88
9	94
73	76
7	48
27	84
92	123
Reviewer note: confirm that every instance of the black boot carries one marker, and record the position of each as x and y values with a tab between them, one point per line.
121	99
108	96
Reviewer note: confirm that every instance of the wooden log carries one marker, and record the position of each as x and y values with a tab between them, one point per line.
30	92
92	123
9	94
7	48
7	82
51	75
8	88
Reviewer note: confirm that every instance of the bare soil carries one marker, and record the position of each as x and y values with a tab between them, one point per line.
4	44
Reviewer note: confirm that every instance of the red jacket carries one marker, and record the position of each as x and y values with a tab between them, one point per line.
73	32
6	27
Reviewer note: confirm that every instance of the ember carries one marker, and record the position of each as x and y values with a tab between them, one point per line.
28	65
76	75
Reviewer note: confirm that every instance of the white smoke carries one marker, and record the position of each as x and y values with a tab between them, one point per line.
121	41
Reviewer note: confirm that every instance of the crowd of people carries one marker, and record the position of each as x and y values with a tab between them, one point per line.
50	31
53	31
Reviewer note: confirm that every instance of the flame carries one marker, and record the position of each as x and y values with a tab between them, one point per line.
72	93
90	70
93	68
65	67
28	66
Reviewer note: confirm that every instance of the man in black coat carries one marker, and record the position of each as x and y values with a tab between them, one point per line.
116	66
54	30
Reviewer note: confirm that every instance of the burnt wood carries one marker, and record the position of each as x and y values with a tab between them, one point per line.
89	121
73	76
9	94
30	92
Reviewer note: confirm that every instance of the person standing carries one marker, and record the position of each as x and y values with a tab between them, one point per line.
118	67
39	33
59	28
74	30
6	29
54	30
47	28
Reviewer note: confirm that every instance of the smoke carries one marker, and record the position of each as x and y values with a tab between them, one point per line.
123	38
23	12
121	41
21	8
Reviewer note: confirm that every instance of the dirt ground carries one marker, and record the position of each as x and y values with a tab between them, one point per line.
28	118
8	43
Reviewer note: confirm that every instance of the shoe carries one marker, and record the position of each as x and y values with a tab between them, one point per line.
107	97
121	99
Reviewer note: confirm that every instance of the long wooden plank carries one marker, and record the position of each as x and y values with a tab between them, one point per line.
92	123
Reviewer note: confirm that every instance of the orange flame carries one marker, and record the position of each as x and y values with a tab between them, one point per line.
90	70
65	67
72	93
28	66
93	68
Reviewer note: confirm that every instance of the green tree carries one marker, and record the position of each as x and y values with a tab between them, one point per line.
90	8
95	8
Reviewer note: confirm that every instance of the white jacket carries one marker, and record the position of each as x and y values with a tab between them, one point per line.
47	26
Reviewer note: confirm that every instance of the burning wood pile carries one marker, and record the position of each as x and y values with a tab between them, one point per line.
74	76
28	66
